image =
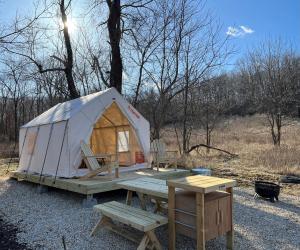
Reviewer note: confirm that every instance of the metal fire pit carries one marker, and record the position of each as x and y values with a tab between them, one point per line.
267	190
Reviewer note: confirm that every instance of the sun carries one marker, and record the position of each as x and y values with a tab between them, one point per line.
71	25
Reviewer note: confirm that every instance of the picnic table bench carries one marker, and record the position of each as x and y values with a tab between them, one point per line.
141	220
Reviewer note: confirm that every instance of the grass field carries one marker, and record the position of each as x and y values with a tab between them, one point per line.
249	138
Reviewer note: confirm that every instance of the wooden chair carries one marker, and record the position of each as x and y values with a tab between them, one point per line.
162	156
93	165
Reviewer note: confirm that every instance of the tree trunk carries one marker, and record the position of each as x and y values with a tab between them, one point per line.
138	86
114	30
16	127
208	135
207	131
275	125
278	125
69	61
184	130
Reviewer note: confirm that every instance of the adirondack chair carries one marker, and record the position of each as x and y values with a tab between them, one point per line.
93	165
161	156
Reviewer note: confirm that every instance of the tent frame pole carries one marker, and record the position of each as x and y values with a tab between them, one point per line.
50	135
62	145
116	135
36	138
109	120
23	143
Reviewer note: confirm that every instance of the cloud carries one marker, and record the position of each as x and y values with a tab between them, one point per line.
231	31
239	31
246	29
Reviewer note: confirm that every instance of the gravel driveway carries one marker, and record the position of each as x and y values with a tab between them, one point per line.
43	219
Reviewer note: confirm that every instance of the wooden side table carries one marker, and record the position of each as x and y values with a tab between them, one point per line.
201	186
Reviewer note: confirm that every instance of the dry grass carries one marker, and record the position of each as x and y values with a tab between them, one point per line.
257	157
5	168
8	149
8	152
249	138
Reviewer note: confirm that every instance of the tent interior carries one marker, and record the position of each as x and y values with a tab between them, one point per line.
114	135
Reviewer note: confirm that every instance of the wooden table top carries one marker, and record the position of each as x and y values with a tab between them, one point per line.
202	184
149	186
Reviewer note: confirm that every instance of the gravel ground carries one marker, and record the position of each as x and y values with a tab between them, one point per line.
44	219
8	236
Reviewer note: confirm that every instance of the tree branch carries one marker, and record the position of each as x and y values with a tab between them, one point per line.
210	147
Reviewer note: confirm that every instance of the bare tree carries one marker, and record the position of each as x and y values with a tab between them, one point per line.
270	69
211	106
114	30
13	77
68	62
64	63
173	71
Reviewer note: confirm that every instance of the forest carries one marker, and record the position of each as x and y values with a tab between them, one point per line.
149	124
167	57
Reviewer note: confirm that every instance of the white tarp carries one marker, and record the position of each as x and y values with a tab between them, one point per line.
50	143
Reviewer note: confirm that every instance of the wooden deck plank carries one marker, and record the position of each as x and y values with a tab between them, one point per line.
98	184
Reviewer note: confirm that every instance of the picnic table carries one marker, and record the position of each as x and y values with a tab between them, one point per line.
211	201
153	188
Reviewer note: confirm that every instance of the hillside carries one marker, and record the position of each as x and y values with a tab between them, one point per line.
249	138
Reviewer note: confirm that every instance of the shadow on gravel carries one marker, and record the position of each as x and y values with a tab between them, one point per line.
258	226
8	237
270	229
278	204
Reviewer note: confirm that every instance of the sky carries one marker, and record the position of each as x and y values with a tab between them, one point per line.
251	22
247	22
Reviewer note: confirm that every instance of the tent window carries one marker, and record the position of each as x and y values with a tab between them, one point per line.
123	141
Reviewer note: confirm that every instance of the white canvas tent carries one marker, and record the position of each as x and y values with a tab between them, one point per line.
50	143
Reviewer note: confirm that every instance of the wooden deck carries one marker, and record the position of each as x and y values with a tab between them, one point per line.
98	184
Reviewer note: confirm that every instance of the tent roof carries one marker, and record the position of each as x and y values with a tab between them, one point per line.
63	111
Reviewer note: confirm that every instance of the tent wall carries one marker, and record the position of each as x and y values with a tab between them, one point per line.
42	147
104	138
50	143
57	160
26	156
104	141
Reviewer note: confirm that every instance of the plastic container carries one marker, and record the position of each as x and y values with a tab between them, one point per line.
201	171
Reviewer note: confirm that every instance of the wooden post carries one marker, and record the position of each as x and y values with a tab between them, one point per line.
171	215
144	242
129	197
157	206
230	234
142	200
200	221
117	172
109	170
154	240
101	222
116	147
